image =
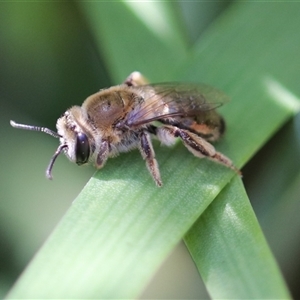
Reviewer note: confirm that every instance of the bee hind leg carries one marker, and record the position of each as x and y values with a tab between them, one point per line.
197	145
148	155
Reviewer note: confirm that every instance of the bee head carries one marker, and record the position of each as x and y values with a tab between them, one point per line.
71	128
74	142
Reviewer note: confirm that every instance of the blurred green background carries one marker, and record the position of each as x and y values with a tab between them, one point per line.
49	62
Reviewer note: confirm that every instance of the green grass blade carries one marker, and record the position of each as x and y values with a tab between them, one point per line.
121	227
231	252
247	283
137	41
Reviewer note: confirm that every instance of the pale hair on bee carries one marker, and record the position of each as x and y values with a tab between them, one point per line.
127	116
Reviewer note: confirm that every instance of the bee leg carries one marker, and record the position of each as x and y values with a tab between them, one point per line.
102	154
135	79
197	145
148	155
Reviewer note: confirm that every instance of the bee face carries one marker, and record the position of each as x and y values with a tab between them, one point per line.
73	134
125	117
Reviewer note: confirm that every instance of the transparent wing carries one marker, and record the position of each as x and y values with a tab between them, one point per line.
171	100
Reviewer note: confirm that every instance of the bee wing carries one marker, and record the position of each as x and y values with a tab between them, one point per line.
160	101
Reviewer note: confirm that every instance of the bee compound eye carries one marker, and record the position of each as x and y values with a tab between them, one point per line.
82	148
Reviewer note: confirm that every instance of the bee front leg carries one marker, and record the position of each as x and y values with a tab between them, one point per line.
102	154
135	79
195	144
148	155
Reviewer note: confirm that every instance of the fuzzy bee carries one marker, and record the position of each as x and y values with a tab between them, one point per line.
127	116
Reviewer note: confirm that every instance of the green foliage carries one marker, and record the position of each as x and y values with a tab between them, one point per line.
121	227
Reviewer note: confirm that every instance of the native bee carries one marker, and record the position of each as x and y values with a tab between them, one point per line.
126	116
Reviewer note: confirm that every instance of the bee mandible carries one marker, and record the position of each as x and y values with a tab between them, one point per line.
127	116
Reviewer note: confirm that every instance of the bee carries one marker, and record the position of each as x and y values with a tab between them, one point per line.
127	116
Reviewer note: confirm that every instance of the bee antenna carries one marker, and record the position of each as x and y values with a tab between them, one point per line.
35	128
53	159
